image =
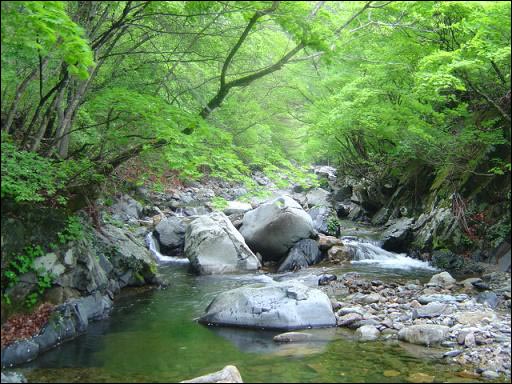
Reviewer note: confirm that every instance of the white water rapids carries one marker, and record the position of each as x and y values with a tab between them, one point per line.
366	251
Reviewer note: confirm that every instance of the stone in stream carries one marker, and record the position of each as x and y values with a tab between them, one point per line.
274	227
396	237
433	309
288	305
229	374
170	234
303	254
213	245
443	280
367	333
425	334
325	242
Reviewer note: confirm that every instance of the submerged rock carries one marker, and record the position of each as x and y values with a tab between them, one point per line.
288	305
292	337
229	374
213	245
274	227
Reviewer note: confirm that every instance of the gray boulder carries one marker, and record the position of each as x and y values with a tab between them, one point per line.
367	333
126	207
213	245
398	236
303	254
274	227
234	207
170	234
288	305
318	197
325	220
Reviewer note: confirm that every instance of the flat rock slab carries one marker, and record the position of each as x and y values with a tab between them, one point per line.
287	306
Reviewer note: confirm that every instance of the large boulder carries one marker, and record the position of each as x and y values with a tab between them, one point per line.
303	254
287	305
274	227
213	245
318	197
170	234
325	220
126	207
398	236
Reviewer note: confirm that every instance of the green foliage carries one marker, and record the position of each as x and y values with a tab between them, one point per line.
219	203
44	28
333	225
74	230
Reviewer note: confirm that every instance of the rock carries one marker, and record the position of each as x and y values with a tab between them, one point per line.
491	375
419	377
318	197
288	305
362	298
469	340
489	298
303	254
391	373
325	220
425	334
367	333
19	352
49	264
274	227
453	353
480	285
475	318
456	264
398	236
339	254
348	319
425	299
443	280
213	245
326	242
170	233
128	256
13	377
229	374
326	279
433	309
235	207
126	208
292	337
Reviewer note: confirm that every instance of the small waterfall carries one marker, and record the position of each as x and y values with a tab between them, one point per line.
150	242
366	251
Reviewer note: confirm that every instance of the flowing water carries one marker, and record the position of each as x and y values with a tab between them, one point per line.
152	335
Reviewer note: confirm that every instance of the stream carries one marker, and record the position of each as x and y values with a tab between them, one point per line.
151	335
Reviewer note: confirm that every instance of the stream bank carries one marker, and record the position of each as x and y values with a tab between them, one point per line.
391	282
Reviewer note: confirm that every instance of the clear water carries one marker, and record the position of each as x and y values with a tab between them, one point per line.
151	336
